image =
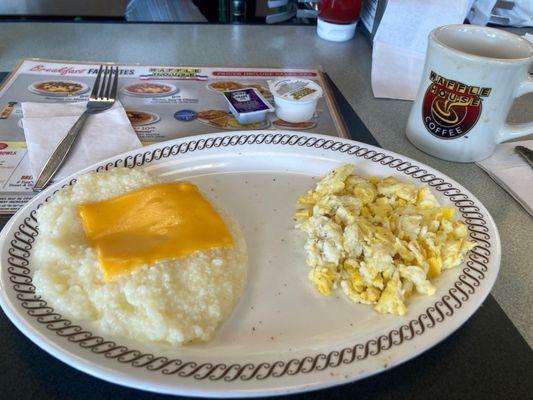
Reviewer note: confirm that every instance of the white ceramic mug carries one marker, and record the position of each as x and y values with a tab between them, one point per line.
471	77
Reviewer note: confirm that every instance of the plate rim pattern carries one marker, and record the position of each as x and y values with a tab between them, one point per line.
20	245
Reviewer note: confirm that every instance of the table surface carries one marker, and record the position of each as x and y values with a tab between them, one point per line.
348	64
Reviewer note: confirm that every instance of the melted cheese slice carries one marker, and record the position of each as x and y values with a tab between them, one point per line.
159	222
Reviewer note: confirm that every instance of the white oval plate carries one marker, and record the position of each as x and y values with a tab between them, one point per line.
283	337
173	90
265	91
209	86
155	118
33	88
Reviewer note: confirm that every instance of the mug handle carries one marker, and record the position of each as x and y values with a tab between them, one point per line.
513	131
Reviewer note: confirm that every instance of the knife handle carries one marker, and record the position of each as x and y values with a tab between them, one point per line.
60	154
525	153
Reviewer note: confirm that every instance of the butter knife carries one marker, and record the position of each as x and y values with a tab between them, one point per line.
525	153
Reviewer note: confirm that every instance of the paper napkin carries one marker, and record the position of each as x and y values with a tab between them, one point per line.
105	134
511	172
400	43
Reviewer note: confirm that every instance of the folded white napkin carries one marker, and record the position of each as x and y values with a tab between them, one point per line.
105	134
400	43
511	172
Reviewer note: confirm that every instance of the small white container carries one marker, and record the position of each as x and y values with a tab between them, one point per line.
247	105
295	98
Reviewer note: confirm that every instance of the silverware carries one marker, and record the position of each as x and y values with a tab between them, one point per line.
102	98
525	153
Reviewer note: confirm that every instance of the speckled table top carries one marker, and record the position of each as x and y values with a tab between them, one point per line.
348	64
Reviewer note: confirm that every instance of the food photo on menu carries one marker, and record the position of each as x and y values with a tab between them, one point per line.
317	199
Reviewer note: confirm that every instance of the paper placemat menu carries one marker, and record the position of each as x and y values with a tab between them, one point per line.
162	103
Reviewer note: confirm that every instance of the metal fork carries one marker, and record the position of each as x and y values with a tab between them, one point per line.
102	98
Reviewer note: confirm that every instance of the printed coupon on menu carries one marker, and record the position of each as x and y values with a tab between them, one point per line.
161	102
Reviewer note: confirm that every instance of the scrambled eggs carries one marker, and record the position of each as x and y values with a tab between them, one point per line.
377	239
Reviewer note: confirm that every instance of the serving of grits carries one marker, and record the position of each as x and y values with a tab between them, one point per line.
378	239
172	301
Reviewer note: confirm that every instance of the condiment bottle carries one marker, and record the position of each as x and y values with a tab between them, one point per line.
337	19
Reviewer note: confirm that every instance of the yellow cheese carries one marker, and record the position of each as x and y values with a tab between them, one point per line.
159	222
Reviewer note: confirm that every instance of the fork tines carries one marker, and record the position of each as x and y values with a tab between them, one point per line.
105	85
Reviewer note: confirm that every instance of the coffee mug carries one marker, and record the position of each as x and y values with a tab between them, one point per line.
471	77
